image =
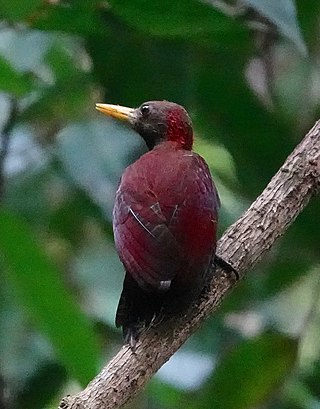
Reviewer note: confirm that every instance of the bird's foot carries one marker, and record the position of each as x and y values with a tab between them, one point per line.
218	261
131	335
157	318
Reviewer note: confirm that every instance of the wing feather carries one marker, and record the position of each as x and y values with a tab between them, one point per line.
168	224
146	246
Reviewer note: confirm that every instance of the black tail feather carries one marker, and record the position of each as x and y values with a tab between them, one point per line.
136	309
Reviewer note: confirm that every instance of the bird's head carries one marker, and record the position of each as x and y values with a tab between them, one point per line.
156	122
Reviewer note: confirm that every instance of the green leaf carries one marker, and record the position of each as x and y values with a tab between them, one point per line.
68	219
283	273
68	97
43	294
299	395
218	159
30	398
283	14
15	10
70	18
167	18
12	81
229	111
250	373
95	164
164	395
308	12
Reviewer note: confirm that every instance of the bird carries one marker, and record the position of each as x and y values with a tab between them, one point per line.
165	218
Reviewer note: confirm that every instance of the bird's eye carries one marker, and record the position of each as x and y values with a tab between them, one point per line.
145	109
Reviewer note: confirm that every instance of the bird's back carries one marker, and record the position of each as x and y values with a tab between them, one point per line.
165	220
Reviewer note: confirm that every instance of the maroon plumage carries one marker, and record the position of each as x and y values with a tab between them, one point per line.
165	217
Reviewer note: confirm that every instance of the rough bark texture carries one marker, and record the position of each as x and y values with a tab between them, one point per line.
242	245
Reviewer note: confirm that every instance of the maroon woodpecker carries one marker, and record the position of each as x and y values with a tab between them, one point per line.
164	219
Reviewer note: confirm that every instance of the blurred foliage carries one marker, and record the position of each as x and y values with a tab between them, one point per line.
248	73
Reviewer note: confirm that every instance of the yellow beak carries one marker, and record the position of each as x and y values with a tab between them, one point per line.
116	111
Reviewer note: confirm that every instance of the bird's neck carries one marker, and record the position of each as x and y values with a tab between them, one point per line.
179	130
170	146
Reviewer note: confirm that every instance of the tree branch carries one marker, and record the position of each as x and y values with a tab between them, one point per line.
242	245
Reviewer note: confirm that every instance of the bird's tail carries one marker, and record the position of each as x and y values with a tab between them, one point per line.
136	309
